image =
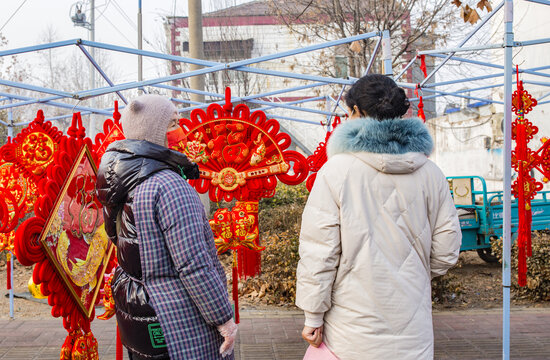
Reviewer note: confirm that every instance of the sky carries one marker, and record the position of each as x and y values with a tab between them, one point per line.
25	23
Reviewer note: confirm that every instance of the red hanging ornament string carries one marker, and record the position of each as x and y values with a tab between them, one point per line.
420	104
423	65
8	262
523	160
235	287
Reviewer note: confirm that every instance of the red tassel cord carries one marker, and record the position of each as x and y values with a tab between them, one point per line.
235	287
119	351
420	104
8	256
423	65
522	231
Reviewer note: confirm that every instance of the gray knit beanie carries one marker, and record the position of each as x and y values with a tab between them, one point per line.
147	118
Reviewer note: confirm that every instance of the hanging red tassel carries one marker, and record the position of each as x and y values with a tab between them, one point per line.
529	218
8	262
249	261
420	104
119	351
423	65
235	287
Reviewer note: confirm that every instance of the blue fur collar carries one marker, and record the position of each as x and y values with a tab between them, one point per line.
392	136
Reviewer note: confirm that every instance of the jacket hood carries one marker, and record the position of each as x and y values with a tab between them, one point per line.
127	163
392	146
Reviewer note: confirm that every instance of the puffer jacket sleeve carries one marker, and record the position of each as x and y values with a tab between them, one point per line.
183	223
319	248
446	233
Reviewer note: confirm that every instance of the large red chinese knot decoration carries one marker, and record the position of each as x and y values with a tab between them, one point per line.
240	156
23	161
319	157
65	238
525	187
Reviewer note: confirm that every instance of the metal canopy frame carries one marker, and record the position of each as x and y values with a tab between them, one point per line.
446	55
56	97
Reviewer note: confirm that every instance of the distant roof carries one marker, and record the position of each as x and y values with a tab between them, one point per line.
254	8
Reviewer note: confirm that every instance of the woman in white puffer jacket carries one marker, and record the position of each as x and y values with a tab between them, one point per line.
378	225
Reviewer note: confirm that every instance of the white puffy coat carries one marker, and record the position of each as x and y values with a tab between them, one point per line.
378	225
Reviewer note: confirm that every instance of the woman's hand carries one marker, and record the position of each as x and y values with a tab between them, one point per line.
314	336
229	333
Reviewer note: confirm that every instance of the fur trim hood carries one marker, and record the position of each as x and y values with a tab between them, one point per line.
390	146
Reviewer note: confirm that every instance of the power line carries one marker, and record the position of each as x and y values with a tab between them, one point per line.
132	23
12	15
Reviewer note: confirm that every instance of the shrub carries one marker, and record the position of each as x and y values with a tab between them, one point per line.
446	289
538	267
280	218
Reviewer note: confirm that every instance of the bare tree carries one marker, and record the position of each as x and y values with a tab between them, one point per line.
413	24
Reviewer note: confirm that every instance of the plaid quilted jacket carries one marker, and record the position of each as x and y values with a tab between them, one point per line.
181	271
167	257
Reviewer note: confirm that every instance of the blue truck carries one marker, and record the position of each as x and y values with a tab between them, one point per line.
481	213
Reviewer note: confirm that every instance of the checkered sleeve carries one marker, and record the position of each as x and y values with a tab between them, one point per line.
182	221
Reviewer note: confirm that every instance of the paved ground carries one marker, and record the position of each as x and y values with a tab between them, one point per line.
276	335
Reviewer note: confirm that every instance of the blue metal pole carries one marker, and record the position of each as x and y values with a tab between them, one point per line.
405	69
507	176
57	104
10	254
287	105
455	94
386	53
30	102
54	118
532	42
35	88
283	54
373	56
38	47
275	116
100	70
458	92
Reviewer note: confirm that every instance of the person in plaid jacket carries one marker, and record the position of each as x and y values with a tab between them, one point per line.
169	289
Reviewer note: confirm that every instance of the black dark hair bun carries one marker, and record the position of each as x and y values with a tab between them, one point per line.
378	96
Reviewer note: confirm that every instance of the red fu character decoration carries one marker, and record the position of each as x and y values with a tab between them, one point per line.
525	187
240	156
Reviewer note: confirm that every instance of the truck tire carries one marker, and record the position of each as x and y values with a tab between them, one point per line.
487	255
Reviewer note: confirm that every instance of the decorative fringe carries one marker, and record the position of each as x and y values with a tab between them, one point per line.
420	104
119	351
8	263
423	65
235	287
79	346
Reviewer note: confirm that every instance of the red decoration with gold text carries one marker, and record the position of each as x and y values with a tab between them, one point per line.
240	156
236	229
525	187
23	162
65	238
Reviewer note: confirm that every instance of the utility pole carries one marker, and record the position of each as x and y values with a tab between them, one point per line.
196	51
140	44
196	46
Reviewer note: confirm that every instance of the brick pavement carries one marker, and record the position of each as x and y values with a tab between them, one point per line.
276	335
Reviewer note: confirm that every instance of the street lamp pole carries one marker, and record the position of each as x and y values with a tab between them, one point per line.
92	130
